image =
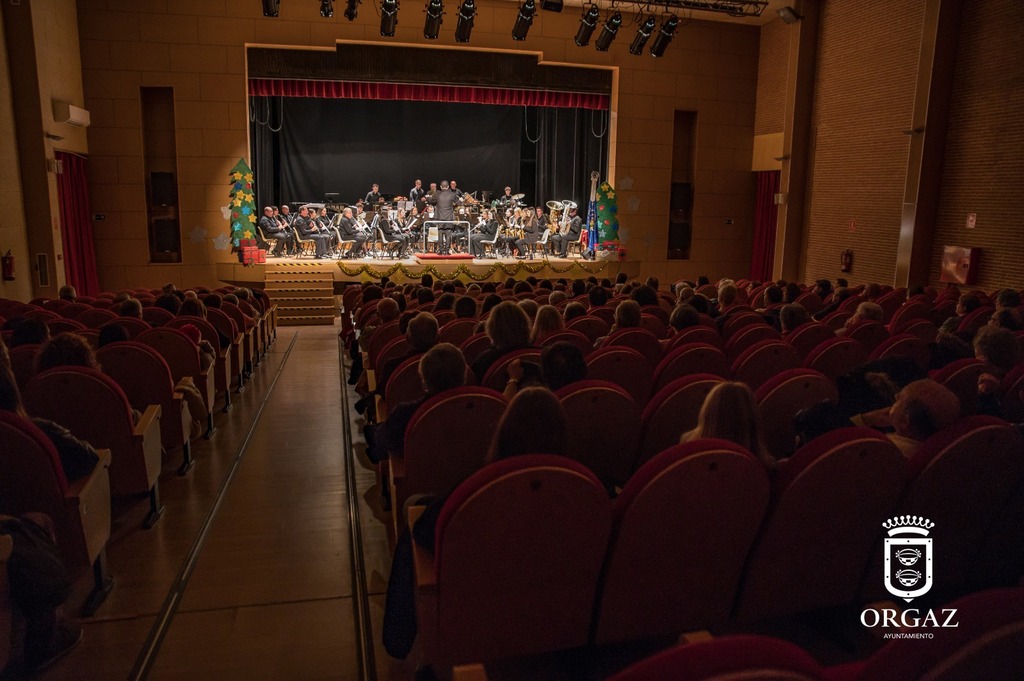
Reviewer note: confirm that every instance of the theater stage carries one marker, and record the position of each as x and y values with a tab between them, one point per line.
411	269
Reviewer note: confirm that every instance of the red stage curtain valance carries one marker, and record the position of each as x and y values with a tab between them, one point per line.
461	94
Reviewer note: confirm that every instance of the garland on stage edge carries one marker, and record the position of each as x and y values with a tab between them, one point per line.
510	270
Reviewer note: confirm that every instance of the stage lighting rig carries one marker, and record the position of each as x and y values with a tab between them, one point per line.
388	17
432	24
327	8
587	24
352	10
642	34
524	20
611	29
665	35
465	23
271	7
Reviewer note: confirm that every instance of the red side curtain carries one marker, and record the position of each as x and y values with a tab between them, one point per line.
338	89
766	215
76	228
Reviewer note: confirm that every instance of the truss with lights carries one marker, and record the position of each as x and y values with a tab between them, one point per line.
646	21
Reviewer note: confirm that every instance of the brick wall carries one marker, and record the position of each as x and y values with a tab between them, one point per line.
772	71
983	171
197	47
863	100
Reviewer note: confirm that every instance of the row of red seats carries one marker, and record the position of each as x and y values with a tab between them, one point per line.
531	556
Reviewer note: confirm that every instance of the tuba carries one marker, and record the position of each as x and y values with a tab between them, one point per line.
567	206
554	209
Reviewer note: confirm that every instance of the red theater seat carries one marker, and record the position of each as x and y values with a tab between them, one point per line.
604	428
780	399
763	360
591	326
689	359
456	331
671	412
808	336
641	340
836	357
869	334
497	374
624	367
574	338
182	356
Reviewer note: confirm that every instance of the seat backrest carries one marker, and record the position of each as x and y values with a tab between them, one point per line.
95	317
591	326
961	376
224	324
404	384
810	301
671	412
961	479
836	320
72	310
393	349
869	334
975	319
728	658
696	334
781	397
206	330
654	324
604	428
850	304
763	360
496	376
624	367
808	336
456	331
574	338
23	363
449	436
665	571
157	316
380	338
40	314
500	599
33	478
64	326
836	357
605	313
922	328
692	358
904	345
975	649
94	408
132	325
740	320
474	346
890	302
141	372
177	349
828	505
906	313
641	340
746	336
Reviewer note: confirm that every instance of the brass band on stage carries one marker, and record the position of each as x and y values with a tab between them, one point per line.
441	220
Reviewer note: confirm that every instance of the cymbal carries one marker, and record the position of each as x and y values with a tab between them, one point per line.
518	196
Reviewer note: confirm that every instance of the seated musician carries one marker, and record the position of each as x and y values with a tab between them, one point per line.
506	199
305	226
393	235
562	241
350	232
531	226
486	232
272	229
323	222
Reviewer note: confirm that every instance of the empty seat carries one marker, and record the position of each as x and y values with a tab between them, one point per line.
641	340
922	328
747	336
763	360
671	412
910	311
519	548
780	398
836	320
836	357
689	359
404	384
975	319
456	331
591	326
739	320
695	334
146	379
828	505
624	367
808	336
904	345
33	481
869	334
607	450
666	573
94	408
96	317
380	338
654	324
64	325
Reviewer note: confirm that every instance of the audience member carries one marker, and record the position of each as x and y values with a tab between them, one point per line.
29	331
1008	318
465	307
866	312
67	292
967	304
508	328
683	317
561	364
548	321
170	302
112	332
530	307
573	310
730	413
66	349
921	409
1008	298
791	317
130	308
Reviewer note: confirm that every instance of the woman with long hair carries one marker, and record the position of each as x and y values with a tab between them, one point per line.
547	322
730	413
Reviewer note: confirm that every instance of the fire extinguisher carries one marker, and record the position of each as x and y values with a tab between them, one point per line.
8	266
846	260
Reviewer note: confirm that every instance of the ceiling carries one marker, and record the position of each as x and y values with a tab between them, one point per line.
766	16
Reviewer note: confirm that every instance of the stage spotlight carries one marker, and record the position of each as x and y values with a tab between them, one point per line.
524	20
587	24
327	8
352	10
642	34
465	24
270	7
388	17
665	35
432	25
611	29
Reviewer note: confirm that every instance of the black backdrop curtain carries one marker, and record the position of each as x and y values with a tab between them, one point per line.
303	148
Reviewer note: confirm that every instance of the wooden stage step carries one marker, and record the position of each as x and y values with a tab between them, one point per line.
303	296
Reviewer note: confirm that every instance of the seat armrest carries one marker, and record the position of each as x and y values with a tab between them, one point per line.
148	442
397	467
423	562
88	501
149	419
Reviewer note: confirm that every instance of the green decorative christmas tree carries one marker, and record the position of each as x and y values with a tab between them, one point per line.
243	210
607	214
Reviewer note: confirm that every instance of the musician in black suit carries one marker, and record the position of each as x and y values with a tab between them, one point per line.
372	198
272	230
459	194
417	192
324	223
562	241
350	232
487	232
305	226
394	237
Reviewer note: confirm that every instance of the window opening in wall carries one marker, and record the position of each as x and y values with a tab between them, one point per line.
680	216
160	154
